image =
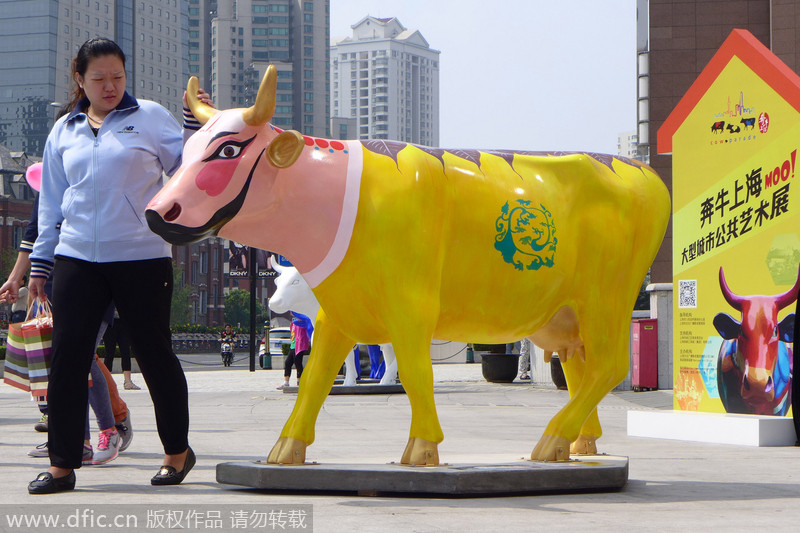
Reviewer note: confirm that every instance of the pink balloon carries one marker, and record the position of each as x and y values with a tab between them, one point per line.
34	176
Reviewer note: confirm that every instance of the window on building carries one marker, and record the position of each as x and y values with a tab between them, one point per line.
16	236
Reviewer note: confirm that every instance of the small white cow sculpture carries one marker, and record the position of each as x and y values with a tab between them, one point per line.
293	293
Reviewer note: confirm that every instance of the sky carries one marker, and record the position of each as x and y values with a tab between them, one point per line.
522	74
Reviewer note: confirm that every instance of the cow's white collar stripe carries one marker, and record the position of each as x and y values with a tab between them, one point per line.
344	233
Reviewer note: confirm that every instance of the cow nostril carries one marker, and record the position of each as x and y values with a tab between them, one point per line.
173	213
746	384
768	386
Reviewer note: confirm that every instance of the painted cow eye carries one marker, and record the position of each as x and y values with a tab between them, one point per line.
228	150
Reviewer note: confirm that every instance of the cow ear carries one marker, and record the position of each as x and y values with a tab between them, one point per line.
284	150
727	326
786	328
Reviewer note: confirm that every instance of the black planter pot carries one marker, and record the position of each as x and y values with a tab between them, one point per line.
499	367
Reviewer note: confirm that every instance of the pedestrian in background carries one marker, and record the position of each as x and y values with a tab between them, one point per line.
117	335
299	348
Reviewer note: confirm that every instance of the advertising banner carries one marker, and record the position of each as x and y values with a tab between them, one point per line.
239	257
736	250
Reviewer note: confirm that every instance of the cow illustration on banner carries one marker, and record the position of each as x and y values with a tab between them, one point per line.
754	368
390	236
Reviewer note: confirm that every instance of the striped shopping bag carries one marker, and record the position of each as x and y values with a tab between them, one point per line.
38	337
16	363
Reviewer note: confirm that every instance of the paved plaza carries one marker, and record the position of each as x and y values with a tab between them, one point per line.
237	415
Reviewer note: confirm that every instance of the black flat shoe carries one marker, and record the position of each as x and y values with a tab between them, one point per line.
167	475
45	483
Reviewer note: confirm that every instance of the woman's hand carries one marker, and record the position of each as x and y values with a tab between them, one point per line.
9	292
36	289
202	95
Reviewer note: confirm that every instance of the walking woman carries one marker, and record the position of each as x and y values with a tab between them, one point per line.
103	162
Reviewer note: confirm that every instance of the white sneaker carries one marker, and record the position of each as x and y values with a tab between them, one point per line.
107	446
87	454
125	430
40	451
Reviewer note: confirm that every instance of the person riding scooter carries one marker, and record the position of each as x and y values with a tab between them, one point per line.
227	342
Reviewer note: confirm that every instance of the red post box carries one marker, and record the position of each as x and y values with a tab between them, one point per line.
644	348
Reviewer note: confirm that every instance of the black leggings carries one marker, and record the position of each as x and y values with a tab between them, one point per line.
142	292
296	360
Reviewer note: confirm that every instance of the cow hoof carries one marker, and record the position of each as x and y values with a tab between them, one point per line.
551	448
585	445
288	451
420	452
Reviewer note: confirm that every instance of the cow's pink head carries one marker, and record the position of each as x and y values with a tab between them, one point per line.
219	163
757	337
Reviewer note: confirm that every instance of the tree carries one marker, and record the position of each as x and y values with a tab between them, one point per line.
8	257
643	300
179	313
237	309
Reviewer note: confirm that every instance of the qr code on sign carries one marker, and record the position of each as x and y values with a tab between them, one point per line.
687	294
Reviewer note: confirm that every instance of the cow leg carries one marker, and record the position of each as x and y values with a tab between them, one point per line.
350	376
330	348
605	343
586	443
390	375
412	349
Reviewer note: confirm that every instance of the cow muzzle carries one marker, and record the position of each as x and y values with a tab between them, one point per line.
177	233
758	385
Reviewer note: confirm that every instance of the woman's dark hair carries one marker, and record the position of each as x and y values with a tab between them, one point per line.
91	49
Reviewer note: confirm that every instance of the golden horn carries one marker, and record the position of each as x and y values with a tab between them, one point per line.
260	113
201	111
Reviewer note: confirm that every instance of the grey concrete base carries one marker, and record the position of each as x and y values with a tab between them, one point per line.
357	389
587	474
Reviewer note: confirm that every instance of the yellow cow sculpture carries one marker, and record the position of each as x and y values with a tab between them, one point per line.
403	243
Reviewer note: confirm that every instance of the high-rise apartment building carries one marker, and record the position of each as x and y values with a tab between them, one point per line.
627	145
39	39
232	43
676	39
387	77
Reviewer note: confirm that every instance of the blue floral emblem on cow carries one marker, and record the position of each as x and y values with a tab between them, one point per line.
526	236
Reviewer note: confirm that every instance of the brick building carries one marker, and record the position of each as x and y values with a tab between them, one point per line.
676	39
